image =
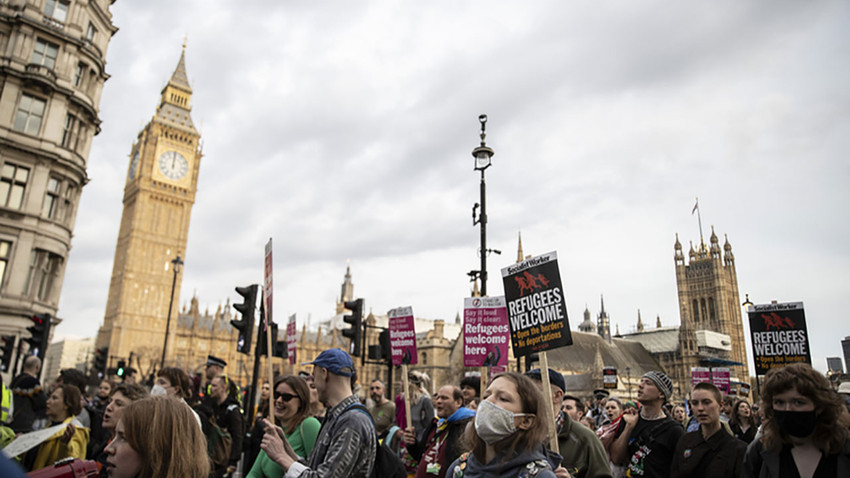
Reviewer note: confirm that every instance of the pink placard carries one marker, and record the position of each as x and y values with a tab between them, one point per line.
720	377
291	339
402	336
700	375
486	332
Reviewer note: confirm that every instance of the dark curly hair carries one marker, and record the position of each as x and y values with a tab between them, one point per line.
829	435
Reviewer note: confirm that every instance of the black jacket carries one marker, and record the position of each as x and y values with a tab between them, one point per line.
228	416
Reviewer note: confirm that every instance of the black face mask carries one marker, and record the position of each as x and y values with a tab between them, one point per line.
796	424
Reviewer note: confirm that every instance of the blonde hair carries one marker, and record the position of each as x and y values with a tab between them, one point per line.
163	430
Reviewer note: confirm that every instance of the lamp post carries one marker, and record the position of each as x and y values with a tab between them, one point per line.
629	380
482	155
177	263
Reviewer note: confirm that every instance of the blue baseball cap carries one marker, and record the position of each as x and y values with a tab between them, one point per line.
336	361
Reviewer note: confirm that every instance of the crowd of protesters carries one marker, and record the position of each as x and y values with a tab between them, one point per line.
321	423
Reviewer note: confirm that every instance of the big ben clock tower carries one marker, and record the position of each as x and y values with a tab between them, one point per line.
162	179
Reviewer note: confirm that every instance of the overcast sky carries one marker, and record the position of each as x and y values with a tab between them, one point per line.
343	130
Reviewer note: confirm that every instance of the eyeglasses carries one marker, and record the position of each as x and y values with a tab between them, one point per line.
284	396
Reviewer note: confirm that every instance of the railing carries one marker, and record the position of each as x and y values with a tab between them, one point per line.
53	23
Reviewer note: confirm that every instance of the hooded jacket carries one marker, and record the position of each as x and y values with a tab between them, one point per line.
519	465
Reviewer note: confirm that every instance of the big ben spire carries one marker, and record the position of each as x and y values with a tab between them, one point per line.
159	194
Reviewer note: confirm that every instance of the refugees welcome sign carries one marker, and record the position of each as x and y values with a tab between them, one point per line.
779	334
537	308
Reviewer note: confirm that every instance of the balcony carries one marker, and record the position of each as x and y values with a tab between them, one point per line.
53	23
40	76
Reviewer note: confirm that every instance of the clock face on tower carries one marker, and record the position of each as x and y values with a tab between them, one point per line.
134	165
173	165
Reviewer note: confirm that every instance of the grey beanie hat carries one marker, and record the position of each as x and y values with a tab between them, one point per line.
662	381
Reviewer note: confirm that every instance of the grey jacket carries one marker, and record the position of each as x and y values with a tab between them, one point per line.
345	447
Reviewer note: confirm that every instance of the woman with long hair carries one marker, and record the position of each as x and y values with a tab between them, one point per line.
801	435
63	405
292	413
508	433
157	437
743	421
680	415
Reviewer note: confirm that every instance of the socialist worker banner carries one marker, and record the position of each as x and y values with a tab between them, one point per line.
779	334
537	308
485	332
402	336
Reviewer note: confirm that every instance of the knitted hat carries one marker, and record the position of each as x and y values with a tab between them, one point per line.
662	381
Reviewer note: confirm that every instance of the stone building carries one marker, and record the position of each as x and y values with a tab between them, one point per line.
711	330
161	182
52	67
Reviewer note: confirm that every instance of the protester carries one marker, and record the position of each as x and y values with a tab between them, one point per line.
347	441
582	454
223	408
470	387
122	395
647	439
62	406
317	408
631	406
28	396
743	422
613	408
726	410
77	378
800	431
679	415
157	437
130	376
508	433
441	444
709	452
421	408
383	412
574	407
292	412
101	399
175	382
590	423
265	393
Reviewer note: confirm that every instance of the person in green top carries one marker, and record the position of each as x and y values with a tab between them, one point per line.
292	413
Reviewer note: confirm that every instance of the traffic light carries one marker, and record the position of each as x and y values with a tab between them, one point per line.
39	334
245	325
382	350
262	346
120	370
8	348
281	349
355	332
101	356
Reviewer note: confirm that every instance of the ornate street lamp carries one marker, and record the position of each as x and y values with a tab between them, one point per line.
482	155
177	262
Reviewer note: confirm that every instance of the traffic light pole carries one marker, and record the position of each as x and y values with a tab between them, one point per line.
249	410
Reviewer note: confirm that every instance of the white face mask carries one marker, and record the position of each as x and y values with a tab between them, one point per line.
157	390
493	423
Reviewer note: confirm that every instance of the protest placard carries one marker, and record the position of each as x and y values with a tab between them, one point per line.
485	332
291	339
28	441
700	375
720	378
779	335
537	308
402	336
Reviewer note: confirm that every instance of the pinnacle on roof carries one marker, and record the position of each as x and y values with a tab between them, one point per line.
519	257
179	79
